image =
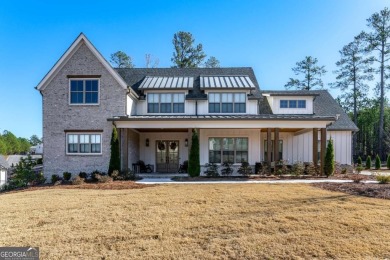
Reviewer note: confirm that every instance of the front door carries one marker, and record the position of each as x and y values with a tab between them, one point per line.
167	156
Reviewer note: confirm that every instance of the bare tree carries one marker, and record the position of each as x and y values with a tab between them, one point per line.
150	61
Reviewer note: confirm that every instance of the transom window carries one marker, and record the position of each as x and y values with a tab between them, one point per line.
166	103
84	143
228	149
227	103
84	91
272	150
292	103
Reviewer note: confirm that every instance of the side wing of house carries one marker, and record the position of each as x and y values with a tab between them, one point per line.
79	93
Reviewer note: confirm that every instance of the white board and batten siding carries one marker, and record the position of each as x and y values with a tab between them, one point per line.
274	102
3	176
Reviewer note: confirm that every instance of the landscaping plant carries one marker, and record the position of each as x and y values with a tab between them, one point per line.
55	178
329	159
194	161
383	179
245	169
211	170
368	162
377	162
388	162
227	169
115	163
67	176
359	161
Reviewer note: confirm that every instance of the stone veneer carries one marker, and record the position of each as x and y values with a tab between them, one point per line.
59	116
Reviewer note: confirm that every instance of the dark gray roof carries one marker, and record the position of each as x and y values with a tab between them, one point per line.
3	162
135	76
222	117
324	105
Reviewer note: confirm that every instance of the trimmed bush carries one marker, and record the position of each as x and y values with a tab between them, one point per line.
67	176
359	169
329	159
298	169
77	180
383	179
227	169
359	161
55	178
356	178
245	169
103	178
83	175
312	169
194	161
377	162
212	170
95	173
388	162
115	162
368	162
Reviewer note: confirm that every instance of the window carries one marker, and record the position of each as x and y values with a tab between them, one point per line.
166	103
292	103
228	149
227	103
84	143
84	91
272	150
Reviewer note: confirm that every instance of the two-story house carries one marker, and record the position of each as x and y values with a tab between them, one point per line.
156	110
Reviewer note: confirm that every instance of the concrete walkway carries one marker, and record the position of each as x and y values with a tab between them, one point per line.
169	181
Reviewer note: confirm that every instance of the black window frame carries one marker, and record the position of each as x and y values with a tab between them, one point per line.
160	107
221	107
222	153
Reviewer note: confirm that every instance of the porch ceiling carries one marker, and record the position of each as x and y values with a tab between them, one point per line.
159	130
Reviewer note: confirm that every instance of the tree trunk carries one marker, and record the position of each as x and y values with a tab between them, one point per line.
381	108
354	138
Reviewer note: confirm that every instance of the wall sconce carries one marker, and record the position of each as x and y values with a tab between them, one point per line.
147	142
186	142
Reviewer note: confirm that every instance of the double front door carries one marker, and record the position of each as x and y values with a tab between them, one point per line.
167	155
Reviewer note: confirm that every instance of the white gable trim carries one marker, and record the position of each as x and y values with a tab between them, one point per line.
69	53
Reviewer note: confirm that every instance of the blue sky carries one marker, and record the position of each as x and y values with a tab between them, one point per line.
270	36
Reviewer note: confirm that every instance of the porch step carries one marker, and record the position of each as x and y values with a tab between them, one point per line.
155	175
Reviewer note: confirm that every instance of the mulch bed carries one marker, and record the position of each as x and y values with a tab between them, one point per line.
380	191
116	185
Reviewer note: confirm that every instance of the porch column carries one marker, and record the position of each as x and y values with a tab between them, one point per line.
124	149
323	149
189	140
315	146
269	145
276	144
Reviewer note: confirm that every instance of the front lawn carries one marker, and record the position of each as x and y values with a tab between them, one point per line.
197	221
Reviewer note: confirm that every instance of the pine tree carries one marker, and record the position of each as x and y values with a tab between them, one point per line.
377	162
186	55
388	161
359	161
194	161
115	163
368	162
329	159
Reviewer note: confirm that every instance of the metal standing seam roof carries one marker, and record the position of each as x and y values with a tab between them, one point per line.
151	82
223	82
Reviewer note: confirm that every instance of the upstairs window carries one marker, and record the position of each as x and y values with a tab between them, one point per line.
292	103
166	103
84	91
227	103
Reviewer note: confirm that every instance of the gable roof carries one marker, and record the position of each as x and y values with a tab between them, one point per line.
81	39
324	105
3	162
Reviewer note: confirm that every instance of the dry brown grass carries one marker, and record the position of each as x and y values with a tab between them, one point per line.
227	221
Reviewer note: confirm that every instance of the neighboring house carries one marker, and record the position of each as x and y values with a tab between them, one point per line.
36	149
3	170
156	110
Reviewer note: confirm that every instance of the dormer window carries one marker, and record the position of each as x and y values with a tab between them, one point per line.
84	91
165	102
292	103
227	103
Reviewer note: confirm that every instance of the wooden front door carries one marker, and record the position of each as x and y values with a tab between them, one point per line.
167	156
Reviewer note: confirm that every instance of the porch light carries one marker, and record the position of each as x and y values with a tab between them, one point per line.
147	142
186	142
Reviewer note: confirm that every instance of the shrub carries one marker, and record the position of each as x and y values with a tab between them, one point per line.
227	169
368	162
115	162
359	161
343	170
67	176
39	161
245	169
359	169
357	178
298	168
312	169
337	168
383	179
103	178
329	159
377	162
94	174
55	178
77	180
388	162
194	161
281	168
126	175
211	170
83	175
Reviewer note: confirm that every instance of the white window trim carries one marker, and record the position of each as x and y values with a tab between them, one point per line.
83	133
159	102
288	104
84	104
